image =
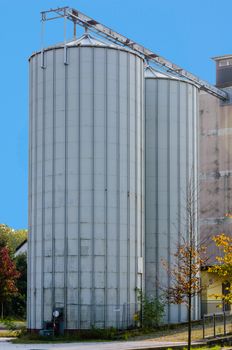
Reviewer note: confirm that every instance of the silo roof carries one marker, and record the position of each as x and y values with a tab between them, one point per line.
87	40
150	72
223	57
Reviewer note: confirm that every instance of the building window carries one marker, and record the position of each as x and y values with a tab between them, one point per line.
225	63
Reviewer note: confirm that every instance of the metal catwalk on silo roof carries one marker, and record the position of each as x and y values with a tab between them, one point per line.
77	17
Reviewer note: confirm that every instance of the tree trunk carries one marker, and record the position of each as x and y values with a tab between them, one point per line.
2	311
189	321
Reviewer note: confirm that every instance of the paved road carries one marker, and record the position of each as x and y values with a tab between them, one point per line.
129	345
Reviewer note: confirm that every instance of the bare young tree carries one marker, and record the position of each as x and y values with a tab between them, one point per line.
190	255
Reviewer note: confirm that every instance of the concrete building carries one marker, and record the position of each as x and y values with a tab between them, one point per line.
22	248
216	168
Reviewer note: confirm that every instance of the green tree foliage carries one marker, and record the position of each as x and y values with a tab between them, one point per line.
152	310
11	238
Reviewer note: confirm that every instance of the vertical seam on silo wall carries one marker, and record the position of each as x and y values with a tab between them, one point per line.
193	146
178	179
93	307
142	123
53	174
194	182
43	195
136	176
146	157
156	189
142	152
197	179
65	190
128	184
187	162
168	187
35	190
198	159
31	89
79	184
106	192
118	181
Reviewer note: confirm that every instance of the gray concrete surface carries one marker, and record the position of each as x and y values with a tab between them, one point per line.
129	345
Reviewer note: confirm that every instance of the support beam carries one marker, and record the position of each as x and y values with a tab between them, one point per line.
106	32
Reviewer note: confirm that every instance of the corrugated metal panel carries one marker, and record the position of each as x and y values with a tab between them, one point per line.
171	162
86	209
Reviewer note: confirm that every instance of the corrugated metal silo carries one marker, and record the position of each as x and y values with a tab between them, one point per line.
86	184
171	117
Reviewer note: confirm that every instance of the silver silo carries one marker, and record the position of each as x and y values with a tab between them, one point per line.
86	197
171	116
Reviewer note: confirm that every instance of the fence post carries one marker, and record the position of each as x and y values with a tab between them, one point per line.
214	325
224	315
203	326
124	316
127	315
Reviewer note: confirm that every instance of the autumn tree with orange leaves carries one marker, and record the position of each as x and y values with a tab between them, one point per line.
223	265
185	278
185	267
8	277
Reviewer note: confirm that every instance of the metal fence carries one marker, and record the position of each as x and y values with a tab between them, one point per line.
217	324
213	306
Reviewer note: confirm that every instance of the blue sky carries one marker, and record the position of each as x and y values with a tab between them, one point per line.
187	32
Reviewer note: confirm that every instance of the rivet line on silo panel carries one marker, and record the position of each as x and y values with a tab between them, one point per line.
168	189
141	174
194	181
128	186
93	307
35	191
53	175
187	159
136	183
106	194
79	191
178	179
195	189
157	190
142	168
65	192
31	113
118	183
43	194
196	174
